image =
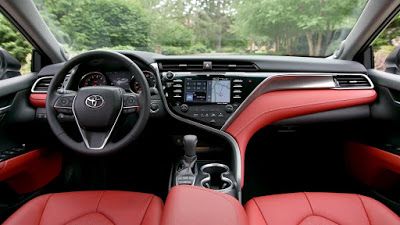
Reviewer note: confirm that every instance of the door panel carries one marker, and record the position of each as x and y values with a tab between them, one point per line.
374	159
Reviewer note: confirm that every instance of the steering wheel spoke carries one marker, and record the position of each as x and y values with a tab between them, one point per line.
64	102
131	103
95	140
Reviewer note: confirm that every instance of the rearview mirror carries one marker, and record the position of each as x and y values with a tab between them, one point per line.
9	66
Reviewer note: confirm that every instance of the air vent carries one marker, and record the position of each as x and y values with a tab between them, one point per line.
352	81
214	66
176	66
242	66
41	85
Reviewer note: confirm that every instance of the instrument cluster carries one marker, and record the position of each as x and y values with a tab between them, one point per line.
123	79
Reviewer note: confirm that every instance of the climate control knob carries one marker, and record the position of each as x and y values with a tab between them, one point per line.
184	108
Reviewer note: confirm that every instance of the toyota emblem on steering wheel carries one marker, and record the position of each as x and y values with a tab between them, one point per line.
94	101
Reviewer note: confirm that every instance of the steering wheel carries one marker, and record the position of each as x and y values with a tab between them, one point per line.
97	109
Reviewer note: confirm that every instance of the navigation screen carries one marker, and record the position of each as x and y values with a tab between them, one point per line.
208	91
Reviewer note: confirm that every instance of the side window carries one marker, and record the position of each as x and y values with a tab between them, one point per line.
12	41
386	42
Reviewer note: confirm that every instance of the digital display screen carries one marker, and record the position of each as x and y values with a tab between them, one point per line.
120	79
208	91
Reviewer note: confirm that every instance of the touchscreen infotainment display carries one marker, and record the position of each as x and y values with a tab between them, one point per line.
208	91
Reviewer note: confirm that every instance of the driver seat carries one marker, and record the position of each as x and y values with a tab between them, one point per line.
90	207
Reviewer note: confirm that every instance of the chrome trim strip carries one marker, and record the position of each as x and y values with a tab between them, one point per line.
84	135
5	109
37	81
294	81
237	166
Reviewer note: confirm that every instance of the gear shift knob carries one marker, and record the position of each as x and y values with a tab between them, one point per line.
189	145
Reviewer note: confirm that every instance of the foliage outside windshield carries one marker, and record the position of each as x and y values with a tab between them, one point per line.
274	27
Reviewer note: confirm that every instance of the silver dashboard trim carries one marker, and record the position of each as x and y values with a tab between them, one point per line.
294	81
37	81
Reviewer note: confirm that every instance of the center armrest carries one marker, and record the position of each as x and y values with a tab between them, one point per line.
200	206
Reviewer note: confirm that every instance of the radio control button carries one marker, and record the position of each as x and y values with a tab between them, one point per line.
237	81
177	86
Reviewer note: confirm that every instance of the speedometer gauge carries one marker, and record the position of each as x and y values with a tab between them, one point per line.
93	79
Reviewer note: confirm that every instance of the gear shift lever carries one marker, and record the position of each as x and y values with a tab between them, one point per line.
186	173
189	145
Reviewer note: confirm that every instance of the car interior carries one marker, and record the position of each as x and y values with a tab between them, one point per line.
96	132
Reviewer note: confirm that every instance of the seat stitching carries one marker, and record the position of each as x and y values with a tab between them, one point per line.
98	203
83	215
96	211
44	208
259	209
365	210
309	203
97	208
147	208
318	216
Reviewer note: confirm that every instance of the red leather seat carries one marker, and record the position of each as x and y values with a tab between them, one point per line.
318	209
90	208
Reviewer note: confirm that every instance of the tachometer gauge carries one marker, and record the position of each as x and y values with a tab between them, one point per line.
151	80
93	79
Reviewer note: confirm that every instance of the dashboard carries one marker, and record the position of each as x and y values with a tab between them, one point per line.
212	90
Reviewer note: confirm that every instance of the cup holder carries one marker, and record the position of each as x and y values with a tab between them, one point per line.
216	177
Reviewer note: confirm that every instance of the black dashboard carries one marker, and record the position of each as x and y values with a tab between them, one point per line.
209	90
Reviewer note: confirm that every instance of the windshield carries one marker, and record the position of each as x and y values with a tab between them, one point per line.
175	27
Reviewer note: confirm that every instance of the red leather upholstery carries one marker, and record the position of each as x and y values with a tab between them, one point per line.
90	208
38	100
318	209
190	205
31	171
375	167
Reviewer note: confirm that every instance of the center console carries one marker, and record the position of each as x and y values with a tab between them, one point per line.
209	99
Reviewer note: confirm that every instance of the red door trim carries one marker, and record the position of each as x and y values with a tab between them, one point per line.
38	100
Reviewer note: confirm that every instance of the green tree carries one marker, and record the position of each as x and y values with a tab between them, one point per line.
285	22
13	42
103	24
